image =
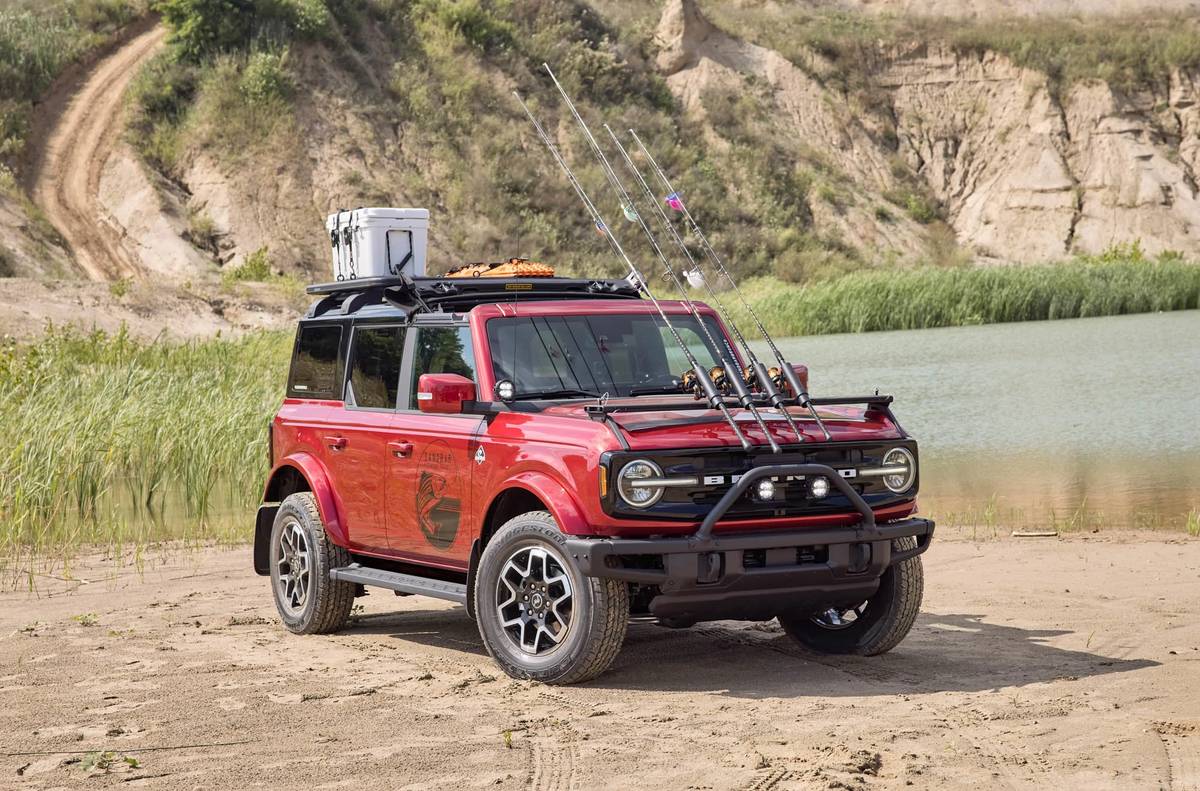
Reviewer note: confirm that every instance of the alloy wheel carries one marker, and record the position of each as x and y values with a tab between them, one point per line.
292	581
535	600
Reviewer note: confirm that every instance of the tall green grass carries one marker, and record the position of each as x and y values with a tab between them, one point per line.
108	440
932	297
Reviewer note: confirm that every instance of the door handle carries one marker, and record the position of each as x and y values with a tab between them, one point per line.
336	443
401	450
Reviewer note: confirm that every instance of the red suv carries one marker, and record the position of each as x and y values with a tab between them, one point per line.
523	447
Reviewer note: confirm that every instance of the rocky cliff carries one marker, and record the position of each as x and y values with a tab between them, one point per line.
926	150
1022	171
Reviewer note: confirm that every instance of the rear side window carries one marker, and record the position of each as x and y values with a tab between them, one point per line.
375	357
315	362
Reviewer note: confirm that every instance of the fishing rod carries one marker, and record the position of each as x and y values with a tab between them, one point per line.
760	370
717	373
739	385
714	397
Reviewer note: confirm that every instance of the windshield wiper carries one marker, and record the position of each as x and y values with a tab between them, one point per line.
562	392
656	390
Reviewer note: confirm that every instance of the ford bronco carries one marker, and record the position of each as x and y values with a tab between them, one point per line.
523	447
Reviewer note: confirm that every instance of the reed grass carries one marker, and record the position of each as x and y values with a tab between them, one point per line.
933	297
108	440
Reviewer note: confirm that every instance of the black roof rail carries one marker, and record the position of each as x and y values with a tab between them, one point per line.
414	295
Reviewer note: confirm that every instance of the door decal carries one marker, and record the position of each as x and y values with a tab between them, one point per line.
439	495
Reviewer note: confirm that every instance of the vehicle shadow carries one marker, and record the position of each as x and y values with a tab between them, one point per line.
944	652
444	628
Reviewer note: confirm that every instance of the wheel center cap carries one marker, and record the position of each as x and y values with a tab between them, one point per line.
536	601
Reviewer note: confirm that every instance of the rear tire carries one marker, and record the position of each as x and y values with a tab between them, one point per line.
539	616
878	625
308	601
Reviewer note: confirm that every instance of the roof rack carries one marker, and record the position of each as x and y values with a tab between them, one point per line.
420	294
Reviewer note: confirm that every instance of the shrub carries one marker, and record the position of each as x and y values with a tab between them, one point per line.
202	232
161	95
265	77
256	267
479	27
200	28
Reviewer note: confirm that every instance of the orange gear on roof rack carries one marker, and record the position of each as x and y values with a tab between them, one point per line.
513	267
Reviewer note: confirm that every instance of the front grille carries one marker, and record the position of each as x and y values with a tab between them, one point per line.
715	471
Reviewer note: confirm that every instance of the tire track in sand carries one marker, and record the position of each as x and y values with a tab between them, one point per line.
78	145
552	766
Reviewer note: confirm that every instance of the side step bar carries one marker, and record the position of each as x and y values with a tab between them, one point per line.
405	583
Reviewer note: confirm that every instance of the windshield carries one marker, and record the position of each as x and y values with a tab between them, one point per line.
622	355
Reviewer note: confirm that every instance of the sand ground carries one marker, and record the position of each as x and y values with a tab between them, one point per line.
1037	663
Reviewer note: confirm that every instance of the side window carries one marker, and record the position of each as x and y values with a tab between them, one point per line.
441	350
375	356
315	362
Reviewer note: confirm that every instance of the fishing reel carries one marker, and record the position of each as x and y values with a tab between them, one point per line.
775	374
689	382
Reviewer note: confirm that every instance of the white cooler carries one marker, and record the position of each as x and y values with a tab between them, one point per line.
378	242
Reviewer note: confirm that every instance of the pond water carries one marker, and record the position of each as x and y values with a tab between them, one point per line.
1076	424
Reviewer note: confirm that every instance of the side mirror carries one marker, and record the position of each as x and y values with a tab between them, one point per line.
801	373
444	393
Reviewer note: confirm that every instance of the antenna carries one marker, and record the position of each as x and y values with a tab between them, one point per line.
739	385
631	213
713	395
760	370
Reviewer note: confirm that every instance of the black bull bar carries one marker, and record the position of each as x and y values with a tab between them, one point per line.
704	576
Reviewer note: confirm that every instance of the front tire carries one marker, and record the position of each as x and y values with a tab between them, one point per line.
539	616
874	627
308	601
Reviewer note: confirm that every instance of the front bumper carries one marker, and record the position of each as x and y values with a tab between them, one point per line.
756	576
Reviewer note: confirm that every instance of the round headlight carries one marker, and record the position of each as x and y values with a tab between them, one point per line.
902	469
630	483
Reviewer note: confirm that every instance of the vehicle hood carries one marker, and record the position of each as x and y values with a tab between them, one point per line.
693	428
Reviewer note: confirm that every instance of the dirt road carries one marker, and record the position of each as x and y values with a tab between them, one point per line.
77	146
1037	663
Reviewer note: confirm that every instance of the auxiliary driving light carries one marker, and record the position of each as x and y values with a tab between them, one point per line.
819	487
633	480
765	490
505	390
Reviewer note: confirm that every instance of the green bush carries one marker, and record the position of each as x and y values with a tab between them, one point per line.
480	27
265	77
200	28
256	268
161	95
